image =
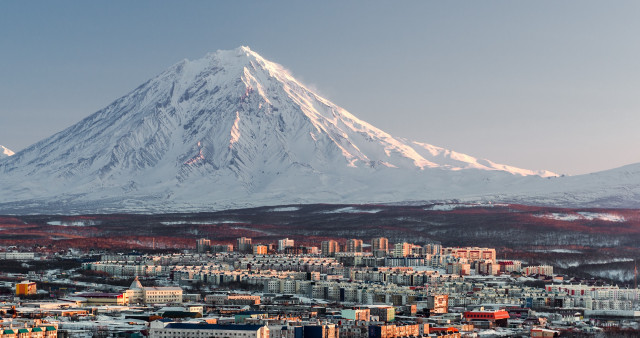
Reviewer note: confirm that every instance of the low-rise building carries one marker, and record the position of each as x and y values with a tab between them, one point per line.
356	314
25	288
29	330
158	329
496	317
152	294
18	256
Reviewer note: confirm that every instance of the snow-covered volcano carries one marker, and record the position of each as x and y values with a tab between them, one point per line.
230	130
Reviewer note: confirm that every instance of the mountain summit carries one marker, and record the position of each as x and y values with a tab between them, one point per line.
233	129
5	152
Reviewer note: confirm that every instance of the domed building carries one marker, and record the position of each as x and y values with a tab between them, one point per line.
138	294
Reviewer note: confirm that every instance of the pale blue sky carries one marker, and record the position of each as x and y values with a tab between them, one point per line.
541	85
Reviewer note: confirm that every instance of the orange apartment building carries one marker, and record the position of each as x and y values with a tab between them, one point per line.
25	288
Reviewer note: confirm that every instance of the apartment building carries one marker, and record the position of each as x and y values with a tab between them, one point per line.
203	245
243	244
329	248
546	270
379	246
260	249
285	243
472	254
354	245
402	249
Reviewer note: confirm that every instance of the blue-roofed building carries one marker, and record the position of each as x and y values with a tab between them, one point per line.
160	329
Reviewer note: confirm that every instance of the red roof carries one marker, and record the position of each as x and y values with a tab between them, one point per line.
452	329
486	315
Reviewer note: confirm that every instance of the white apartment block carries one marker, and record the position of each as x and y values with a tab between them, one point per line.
128	268
18	256
285	243
472	254
546	270
402	249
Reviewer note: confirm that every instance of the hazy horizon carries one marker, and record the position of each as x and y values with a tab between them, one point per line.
540	85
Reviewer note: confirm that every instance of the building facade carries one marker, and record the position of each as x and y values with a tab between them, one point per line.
152	295
329	248
158	329
26	288
285	243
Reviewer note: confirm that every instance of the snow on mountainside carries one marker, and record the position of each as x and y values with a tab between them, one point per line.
232	130
5	152
456	161
614	188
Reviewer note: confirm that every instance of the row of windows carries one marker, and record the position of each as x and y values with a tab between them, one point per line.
480	316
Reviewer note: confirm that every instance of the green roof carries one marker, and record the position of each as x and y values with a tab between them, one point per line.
51	328
9	332
37	329
23	331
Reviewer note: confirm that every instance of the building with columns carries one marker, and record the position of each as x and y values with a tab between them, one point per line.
138	294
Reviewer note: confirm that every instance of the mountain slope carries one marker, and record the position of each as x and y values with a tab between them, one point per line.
614	188
233	129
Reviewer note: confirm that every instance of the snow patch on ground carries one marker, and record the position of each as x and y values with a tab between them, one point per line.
454	206
583	216
617	274
254	230
73	223
558	251
498	332
573	264
351	210
284	209
601	216
442	207
201	222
